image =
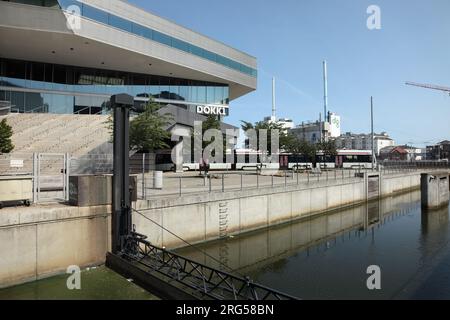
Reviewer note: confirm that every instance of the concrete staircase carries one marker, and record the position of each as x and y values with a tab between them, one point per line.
81	136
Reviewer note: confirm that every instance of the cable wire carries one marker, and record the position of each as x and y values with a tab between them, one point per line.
191	245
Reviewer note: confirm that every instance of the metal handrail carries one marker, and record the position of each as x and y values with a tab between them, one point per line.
207	282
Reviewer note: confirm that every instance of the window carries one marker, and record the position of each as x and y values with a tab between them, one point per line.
95	14
119	23
197	51
180	45
142	31
162	38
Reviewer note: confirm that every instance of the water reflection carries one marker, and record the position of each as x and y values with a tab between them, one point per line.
326	257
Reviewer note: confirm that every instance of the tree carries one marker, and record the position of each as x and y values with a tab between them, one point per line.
148	131
299	146
328	148
211	122
6	132
284	138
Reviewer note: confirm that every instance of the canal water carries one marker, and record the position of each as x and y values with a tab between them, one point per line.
327	257
96	284
322	257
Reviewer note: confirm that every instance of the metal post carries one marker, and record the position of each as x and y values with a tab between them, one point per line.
121	218
272	181
373	134
223	182
66	177
285	178
180	186
35	177
143	176
242	181
39	177
257	181
209	181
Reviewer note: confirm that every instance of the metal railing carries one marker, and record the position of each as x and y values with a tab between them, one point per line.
199	280
191	183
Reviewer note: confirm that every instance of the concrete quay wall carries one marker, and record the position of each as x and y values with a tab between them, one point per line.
207	217
43	241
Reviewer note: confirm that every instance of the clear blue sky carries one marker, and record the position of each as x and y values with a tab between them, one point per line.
290	38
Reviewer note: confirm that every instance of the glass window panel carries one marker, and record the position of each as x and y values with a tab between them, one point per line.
95	14
162	38
197	51
210	98
34	103
15	69
210	56
184	90
142	31
218	95
18	101
119	23
59	78
193	93
181	45
226	93
201	94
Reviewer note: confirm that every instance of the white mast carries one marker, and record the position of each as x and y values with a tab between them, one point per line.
325	90
274	106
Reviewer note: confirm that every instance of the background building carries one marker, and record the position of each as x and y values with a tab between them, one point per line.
69	57
440	151
314	132
353	141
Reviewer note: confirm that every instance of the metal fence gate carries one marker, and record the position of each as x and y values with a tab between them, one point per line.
51	177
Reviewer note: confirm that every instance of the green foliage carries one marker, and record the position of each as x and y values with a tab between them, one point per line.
285	138
148	131
6	132
211	122
298	146
328	148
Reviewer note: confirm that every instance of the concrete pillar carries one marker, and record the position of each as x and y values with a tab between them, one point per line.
435	190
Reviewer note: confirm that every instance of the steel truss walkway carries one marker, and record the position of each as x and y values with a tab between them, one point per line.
185	278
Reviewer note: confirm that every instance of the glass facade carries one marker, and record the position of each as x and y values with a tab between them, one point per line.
43	87
103	17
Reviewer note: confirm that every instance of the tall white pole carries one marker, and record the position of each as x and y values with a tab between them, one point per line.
325	89
274	106
373	133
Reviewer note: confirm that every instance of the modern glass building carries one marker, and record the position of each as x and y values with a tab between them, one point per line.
68	56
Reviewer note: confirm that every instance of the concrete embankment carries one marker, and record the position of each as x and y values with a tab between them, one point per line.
42	241
207	217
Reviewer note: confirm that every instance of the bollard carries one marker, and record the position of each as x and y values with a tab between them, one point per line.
223	182
435	190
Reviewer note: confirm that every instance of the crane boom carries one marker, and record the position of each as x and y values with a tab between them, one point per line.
429	86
